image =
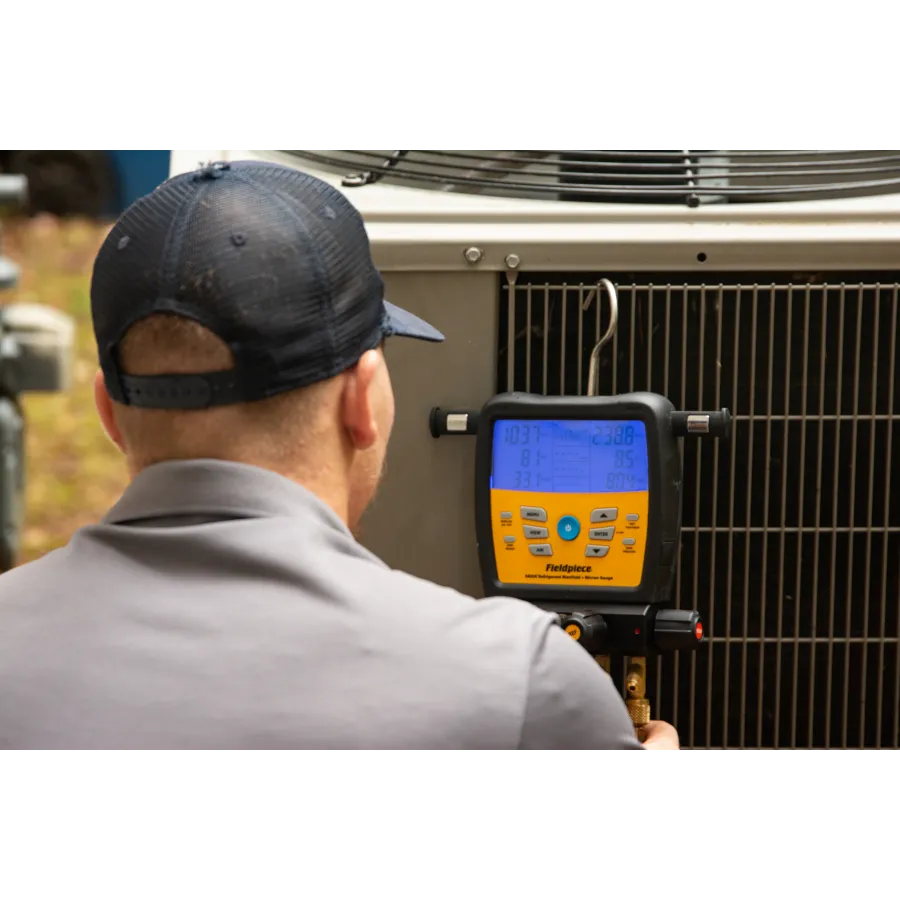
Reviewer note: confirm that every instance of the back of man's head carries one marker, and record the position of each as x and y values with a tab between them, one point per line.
239	315
280	432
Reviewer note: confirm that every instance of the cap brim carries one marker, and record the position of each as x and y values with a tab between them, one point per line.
404	324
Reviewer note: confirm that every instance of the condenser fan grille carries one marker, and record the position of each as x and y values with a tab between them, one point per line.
690	177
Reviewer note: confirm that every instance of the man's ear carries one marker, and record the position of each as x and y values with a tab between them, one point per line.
358	400
104	405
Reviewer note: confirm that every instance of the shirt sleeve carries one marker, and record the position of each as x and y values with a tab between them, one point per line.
572	703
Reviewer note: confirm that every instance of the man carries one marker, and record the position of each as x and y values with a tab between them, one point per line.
223	601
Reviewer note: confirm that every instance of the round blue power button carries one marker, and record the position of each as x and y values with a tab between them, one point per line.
568	528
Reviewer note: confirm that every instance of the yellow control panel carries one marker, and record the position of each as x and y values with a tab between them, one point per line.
584	540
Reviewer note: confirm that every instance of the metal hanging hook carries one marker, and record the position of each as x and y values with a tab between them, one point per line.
594	368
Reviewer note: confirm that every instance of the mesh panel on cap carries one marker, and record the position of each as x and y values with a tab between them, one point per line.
125	282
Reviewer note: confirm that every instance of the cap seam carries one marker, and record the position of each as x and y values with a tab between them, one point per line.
175	242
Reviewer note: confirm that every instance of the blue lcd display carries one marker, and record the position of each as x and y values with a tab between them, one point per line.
570	456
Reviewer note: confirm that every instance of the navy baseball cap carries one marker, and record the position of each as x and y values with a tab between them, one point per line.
274	262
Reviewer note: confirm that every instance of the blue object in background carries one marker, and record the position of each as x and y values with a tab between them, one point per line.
139	172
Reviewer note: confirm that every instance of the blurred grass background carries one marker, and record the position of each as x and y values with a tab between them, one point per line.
74	472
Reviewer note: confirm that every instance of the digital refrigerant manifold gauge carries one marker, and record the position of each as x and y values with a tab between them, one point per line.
563	492
578	510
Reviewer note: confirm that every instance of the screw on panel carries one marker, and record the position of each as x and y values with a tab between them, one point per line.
473	255
358	180
513	261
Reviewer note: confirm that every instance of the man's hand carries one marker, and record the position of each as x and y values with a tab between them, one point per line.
659	736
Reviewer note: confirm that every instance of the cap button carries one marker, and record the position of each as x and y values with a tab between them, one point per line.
211	170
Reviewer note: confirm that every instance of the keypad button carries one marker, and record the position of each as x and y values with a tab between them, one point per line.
509	539
632	517
568	528
596	550
628	542
506	515
540	549
602	534
533	513
535	531
604	515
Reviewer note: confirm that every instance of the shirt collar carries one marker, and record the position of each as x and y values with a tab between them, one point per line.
216	488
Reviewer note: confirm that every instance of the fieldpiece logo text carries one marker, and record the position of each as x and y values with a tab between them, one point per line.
566	568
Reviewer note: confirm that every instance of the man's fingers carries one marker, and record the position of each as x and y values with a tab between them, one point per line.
659	733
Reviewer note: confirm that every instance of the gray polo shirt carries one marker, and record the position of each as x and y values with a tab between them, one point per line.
219	605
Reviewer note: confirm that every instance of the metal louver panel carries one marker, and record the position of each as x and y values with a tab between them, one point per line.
791	538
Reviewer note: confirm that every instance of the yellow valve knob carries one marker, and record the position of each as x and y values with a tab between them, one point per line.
639	710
